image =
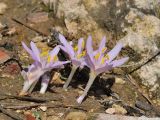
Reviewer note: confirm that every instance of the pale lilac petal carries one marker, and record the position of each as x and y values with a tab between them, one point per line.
102	44
80	46
29	51
100	50
100	59
89	49
34	73
103	69
89	62
66	45
76	62
64	49
59	64
34	66
54	52
115	51
35	50
117	63
31	68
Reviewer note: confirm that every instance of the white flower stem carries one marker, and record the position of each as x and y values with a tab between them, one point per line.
90	82
26	85
43	87
32	86
74	68
44	83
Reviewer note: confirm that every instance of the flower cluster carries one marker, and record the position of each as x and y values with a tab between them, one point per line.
44	61
98	61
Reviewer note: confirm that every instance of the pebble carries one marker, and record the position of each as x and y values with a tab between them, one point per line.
43	108
116	109
119	80
3	57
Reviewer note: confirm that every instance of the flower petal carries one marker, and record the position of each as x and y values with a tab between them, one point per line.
90	52
29	51
35	50
102	44
89	47
66	45
117	63
76	62
89	62
80	46
103	69
35	75
58	64
54	52
64	49
115	51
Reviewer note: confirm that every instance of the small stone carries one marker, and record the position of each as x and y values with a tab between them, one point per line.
119	80
11	31
37	39
43	108
38	17
56	79
3	8
22	93
116	109
3	57
76	116
111	111
18	111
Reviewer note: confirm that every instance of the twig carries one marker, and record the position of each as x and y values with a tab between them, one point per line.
33	29
32	99
20	106
129	77
24	106
149	60
8	113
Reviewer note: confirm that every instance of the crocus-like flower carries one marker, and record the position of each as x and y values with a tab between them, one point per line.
99	62
75	54
44	61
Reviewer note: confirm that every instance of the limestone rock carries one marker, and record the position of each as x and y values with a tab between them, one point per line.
120	117
146	4
78	21
143	37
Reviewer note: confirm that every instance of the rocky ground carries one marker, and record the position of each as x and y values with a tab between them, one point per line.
132	90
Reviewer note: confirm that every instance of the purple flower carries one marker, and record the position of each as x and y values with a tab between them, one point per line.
75	54
99	62
44	61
